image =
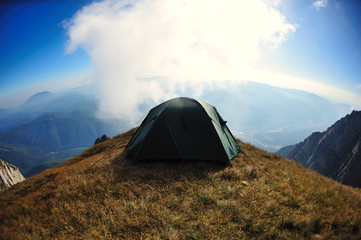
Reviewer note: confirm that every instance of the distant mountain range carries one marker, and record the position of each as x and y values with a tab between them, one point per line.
271	117
55	133
50	128
335	153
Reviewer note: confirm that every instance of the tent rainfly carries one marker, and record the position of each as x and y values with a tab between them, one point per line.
183	129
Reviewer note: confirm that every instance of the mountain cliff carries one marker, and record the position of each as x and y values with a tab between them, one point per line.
9	175
100	194
335	153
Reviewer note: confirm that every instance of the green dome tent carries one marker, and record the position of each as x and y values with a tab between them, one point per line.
186	129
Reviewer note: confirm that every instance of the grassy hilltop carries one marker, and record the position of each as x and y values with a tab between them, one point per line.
100	194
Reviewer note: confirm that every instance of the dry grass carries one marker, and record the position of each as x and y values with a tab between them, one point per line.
267	198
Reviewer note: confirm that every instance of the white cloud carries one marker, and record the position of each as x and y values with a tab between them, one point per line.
151	50
319	4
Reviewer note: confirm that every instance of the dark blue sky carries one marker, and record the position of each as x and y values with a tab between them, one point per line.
33	43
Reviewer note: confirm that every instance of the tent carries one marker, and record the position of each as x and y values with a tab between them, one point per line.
183	129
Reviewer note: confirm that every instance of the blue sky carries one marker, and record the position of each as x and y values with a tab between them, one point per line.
311	45
33	42
327	44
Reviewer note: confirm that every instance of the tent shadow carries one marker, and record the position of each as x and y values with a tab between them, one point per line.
162	171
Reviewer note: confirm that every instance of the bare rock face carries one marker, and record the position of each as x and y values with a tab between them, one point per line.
9	175
335	153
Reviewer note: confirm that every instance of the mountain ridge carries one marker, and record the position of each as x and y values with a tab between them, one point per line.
335	153
35	99
61	123
55	133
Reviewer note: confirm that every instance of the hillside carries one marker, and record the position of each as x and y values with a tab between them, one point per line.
335	153
100	194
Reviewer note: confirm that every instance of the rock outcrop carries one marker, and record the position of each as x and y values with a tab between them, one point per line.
335	153
9	175
102	139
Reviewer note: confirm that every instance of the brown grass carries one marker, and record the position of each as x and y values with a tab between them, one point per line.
268	197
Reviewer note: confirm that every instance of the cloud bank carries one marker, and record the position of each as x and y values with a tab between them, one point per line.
150	50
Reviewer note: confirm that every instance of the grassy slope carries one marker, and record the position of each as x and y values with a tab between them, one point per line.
115	199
